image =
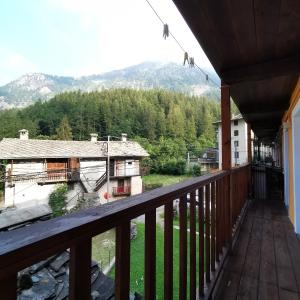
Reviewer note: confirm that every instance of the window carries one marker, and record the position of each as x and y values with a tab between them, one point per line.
236	143
236	133
121	182
236	122
236	154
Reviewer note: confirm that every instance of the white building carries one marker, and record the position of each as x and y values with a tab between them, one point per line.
34	168
239	145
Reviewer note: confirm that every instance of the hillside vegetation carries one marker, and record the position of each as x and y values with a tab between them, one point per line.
167	124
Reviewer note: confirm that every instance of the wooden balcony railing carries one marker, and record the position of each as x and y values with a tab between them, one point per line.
121	190
217	198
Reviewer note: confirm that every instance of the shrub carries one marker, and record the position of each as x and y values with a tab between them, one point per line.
58	200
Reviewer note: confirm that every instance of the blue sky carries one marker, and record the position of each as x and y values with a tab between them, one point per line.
83	37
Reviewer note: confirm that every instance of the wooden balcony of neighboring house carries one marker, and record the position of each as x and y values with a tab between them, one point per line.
59	175
121	190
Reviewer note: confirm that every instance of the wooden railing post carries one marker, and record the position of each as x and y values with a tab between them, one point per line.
201	241
122	276
193	246
150	255
168	252
183	248
80	270
8	287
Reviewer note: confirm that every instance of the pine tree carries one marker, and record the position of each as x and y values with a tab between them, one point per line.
64	131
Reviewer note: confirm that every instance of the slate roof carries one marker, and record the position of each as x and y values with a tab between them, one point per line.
49	279
236	117
31	149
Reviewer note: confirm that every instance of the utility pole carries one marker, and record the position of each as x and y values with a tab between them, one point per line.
108	138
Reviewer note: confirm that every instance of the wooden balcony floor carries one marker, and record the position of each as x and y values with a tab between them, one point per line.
265	262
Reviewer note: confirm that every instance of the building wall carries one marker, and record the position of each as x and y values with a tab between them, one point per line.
242	140
91	171
135	182
30	193
288	124
136	185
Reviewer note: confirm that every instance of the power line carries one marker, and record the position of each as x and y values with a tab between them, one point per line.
180	45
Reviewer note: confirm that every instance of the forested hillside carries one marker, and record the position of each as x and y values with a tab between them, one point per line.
166	123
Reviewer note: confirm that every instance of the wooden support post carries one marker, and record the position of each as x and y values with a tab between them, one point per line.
249	143
226	156
80	270
8	287
226	127
249	159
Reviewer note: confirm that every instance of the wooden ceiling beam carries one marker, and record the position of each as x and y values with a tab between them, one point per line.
267	69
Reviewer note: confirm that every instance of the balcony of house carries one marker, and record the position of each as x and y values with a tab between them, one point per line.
230	244
124	168
121	190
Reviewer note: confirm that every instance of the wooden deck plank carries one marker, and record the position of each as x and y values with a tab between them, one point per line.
271	268
288	295
268	291
286	278
230	286
248	288
252	262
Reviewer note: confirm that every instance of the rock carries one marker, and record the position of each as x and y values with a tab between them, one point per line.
133	231
95	295
25	282
45	288
59	261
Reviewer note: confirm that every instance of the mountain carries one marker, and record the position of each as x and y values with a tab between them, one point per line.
31	87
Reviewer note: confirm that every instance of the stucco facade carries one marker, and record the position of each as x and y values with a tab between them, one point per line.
291	157
239	146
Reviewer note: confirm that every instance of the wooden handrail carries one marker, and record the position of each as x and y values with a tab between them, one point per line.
25	246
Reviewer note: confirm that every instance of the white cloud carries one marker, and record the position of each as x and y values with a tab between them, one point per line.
17	61
13	65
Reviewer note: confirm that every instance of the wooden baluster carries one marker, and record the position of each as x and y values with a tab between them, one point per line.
183	248
207	233
201	241
223	212
8	287
213	226
227	209
122	273
168	252
193	245
80	270
218	222
150	255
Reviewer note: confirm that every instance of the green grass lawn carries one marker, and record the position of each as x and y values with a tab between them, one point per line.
137	262
163	180
103	247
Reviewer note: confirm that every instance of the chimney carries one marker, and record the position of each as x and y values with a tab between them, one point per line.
124	137
94	137
24	134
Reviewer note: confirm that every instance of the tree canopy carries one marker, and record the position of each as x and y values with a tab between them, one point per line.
166	123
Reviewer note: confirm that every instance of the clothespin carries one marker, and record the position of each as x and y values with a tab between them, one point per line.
186	58
192	62
166	31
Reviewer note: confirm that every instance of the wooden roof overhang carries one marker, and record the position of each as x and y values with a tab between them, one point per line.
254	46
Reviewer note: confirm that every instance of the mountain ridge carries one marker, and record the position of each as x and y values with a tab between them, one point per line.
30	87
